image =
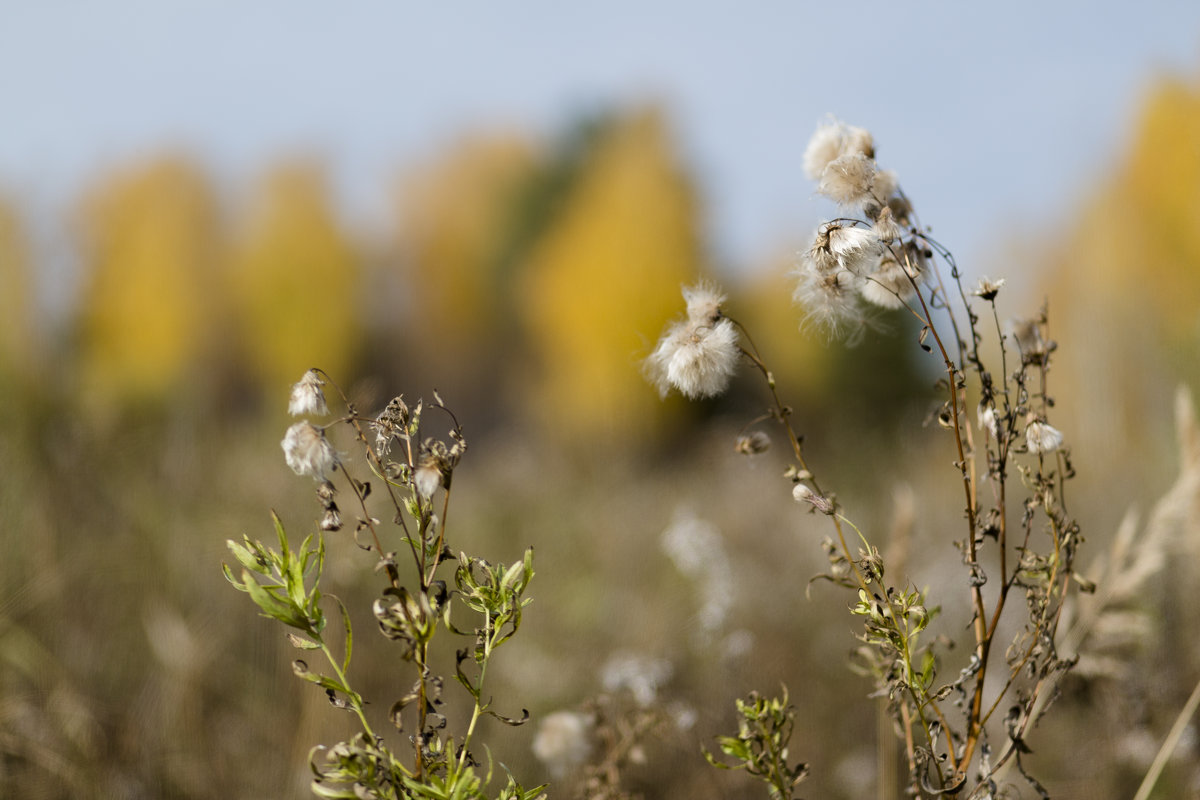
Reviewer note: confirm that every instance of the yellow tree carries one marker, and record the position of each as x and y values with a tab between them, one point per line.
456	217
1127	278
296	280
150	244
604	278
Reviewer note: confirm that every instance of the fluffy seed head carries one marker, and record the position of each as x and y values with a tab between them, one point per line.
849	179
307	451
703	303
889	286
564	742
307	397
1042	438
986	416
829	301
427	478
831	140
854	247
696	358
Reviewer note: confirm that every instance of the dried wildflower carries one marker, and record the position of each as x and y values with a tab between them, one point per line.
642	676
988	289
392	422
885	227
848	180
852	245
889	286
696	549
832	140
986	417
1042	438
802	493
696	359
703	303
307	451
887	190
564	741
1030	342
829	300
307	397
427	477
753	444
332	521
824	146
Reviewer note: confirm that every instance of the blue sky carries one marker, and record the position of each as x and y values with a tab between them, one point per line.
993	114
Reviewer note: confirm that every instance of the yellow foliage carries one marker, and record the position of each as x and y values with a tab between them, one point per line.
149	244
801	359
455	216
1162	184
296	281
17	345
1135	251
605	278
1125	286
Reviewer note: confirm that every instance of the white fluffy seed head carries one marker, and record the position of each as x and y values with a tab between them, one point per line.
830	301
856	248
564	742
1042	438
428	479
697	360
307	451
849	179
307	397
832	140
703	302
889	286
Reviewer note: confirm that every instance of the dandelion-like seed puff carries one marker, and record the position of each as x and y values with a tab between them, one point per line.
1042	438
307	451
698	355
307	397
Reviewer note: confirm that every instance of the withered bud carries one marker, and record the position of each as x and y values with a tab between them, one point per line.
804	494
753	444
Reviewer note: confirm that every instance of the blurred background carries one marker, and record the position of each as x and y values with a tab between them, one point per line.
201	200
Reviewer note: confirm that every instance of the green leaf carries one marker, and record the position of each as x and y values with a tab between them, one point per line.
241	587
349	634
338	793
283	542
271	605
246	558
301	643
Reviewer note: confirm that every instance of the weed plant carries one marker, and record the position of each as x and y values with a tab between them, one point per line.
416	475
963	716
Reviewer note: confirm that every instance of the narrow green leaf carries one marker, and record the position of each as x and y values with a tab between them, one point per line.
333	792
241	587
246	558
349	633
283	542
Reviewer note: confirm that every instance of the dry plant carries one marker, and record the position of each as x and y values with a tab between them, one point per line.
962	719
415	473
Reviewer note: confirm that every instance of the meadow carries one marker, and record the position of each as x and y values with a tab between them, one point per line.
675	553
